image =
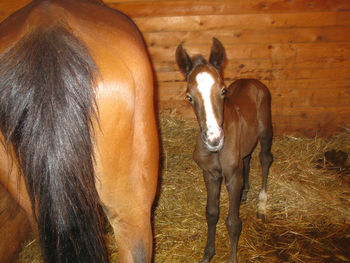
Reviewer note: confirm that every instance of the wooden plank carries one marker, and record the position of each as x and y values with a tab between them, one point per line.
242	21
251	36
322	124
278	51
297	52
207	7
169	66
122	1
280	86
303	51
269	74
312	99
265	63
322	50
317	116
148	8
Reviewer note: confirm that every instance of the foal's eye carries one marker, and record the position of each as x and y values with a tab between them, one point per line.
189	98
223	91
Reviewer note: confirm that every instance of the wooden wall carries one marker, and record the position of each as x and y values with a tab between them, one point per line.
299	48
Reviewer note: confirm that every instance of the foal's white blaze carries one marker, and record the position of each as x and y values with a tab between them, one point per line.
205	85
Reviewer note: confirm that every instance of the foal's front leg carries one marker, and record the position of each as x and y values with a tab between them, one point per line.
213	184
234	182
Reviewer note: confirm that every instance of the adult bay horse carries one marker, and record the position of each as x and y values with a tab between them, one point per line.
78	128
231	122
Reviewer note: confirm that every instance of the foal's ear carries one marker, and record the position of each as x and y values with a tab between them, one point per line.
217	54
183	60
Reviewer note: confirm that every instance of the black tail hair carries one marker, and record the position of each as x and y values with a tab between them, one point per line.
47	106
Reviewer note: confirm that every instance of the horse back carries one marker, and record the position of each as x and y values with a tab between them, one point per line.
85	19
247	109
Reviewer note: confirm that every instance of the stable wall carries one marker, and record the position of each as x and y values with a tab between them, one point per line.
299	48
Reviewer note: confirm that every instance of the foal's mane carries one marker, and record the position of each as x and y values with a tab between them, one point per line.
198	60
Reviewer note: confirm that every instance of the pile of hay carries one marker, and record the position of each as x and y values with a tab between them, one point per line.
308	218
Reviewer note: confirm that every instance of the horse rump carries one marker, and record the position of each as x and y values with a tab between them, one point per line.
47	106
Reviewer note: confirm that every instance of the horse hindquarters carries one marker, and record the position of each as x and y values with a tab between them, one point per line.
46	114
127	153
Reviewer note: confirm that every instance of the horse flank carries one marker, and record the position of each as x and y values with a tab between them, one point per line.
47	105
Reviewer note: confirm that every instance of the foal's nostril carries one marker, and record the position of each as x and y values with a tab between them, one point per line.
204	136
213	141
214	138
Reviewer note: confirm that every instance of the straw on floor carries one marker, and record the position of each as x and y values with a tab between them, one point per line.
308	217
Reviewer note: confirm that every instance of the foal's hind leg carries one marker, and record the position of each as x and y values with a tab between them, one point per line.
246	169
266	159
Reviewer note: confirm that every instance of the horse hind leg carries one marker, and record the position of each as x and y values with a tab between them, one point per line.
246	186
129	216
266	159
133	235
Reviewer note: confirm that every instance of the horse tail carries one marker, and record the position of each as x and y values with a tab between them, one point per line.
47	107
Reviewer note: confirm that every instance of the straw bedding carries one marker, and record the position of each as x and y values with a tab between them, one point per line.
308	217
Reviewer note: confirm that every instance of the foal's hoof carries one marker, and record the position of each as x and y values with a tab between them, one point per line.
244	196
207	257
205	260
261	216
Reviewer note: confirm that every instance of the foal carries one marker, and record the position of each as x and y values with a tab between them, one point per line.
231	122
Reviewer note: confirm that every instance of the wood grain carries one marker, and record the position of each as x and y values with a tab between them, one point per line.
242	21
208	7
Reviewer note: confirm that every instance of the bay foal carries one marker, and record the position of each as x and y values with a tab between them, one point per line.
231	122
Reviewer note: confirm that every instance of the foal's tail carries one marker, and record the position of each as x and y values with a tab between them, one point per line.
47	105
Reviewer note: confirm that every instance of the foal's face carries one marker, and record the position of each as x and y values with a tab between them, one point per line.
206	91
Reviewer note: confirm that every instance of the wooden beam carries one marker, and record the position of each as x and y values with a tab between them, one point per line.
242	21
207	7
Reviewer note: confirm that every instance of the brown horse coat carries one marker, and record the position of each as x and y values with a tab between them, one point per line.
124	136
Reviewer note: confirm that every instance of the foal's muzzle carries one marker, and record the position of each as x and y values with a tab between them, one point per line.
213	140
